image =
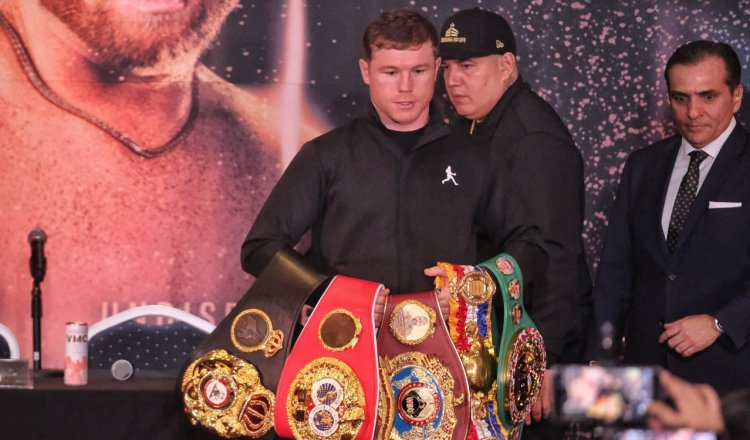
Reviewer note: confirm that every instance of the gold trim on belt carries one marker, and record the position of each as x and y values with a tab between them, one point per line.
325	400
224	394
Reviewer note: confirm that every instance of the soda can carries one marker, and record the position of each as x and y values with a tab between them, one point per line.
76	353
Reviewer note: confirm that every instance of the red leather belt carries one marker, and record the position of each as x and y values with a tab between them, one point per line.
424	393
329	385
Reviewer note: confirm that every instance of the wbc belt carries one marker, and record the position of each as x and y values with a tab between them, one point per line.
423	387
329	385
228	382
521	352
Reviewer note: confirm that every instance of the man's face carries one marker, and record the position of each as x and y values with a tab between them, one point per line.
476	84
402	83
702	103
128	34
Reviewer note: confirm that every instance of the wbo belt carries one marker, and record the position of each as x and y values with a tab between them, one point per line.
329	385
423	387
473	331
228	382
521	352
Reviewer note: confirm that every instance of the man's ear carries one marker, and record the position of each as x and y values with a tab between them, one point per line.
438	63
364	69
737	98
508	61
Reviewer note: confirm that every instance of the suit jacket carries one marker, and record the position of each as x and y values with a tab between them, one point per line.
546	169
641	285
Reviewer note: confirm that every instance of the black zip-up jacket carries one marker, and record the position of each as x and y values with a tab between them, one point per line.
380	213
525	133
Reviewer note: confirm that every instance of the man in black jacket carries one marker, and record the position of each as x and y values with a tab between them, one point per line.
392	193
524	133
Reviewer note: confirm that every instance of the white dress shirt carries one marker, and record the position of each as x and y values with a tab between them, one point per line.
681	166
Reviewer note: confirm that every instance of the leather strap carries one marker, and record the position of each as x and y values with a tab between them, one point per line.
521	352
424	393
243	357
329	384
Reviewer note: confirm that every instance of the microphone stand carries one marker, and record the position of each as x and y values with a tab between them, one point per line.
36	316
38	266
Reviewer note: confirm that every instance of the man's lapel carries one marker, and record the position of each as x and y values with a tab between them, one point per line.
723	166
663	169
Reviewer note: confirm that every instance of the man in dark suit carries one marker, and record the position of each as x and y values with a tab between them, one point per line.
675	268
525	133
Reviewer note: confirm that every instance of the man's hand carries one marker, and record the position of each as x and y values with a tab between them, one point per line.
542	406
696	406
443	294
690	334
377	315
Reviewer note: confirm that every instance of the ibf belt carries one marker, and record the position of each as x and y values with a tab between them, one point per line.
328	388
423	387
472	330
228	380
521	353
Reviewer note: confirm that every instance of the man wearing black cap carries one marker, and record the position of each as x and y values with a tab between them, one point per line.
393	192
498	108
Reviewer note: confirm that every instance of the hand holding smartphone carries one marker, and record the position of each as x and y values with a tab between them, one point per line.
611	395
617	397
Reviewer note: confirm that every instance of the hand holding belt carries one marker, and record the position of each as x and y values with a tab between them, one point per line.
228	384
521	353
329	384
472	330
423	387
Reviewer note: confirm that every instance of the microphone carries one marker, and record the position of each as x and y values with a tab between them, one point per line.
122	370
37	262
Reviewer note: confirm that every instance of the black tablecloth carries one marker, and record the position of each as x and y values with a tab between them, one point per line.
145	407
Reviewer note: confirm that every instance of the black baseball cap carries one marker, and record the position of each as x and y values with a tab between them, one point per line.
475	33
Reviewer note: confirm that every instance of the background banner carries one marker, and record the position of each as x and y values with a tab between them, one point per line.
146	165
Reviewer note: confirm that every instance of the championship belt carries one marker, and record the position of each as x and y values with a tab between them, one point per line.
227	386
521	352
328	388
473	331
423	389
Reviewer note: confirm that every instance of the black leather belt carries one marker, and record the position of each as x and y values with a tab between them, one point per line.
229	380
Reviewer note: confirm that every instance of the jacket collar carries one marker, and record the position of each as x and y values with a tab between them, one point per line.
486	129
436	127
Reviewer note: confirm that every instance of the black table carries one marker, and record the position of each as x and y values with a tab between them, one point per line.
145	407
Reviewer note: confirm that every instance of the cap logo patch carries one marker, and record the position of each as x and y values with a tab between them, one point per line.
451	35
499	44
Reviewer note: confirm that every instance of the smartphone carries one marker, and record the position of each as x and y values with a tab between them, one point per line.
617	396
679	434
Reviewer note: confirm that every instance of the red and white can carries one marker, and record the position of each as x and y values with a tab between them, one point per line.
76	353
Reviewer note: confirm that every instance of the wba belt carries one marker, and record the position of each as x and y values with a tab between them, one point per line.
228	383
423	387
521	352
329	385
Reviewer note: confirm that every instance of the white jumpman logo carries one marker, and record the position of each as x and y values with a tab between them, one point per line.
450	176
